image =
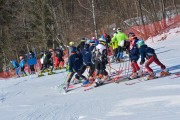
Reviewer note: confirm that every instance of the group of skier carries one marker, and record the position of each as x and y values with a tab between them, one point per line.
94	55
51	59
21	65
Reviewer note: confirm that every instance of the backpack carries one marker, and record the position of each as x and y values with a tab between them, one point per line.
98	55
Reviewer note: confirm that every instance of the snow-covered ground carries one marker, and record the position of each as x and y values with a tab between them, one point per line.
33	98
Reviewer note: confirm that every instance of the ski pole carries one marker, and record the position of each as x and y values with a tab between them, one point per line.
64	82
128	68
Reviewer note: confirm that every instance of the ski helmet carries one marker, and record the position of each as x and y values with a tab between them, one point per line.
73	50
92	41
140	43
102	40
71	43
83	39
119	30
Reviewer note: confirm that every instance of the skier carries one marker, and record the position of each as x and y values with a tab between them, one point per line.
70	47
42	56
114	45
87	63
48	62
75	63
133	55
92	45
120	36
99	56
107	38
22	65
150	55
32	61
16	67
80	47
59	61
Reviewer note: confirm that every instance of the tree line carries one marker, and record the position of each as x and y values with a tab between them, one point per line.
44	24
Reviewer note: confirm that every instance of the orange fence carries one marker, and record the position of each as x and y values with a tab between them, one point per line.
155	28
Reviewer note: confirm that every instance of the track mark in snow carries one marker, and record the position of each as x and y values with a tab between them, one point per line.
3	96
164	87
2	99
146	100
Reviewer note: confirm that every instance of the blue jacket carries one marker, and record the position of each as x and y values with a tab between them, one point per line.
134	52
15	64
86	53
22	63
92	47
146	52
75	62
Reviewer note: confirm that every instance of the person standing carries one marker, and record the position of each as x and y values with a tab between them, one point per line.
75	63
120	36
22	65
32	61
99	57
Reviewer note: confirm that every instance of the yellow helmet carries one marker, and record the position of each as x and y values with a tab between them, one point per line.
71	43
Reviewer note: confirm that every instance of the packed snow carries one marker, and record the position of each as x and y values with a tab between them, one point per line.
41	98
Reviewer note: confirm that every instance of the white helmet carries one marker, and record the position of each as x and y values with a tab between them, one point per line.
119	30
122	43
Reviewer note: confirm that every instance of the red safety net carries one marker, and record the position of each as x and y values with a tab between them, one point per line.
155	28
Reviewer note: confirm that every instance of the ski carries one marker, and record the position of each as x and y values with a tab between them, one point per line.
104	83
145	79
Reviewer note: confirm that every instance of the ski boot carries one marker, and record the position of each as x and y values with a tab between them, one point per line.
40	74
46	70
133	76
23	75
164	73
107	78
91	79
151	76
85	83
76	81
140	73
98	82
51	73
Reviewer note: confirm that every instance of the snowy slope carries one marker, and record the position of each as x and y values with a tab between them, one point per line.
32	98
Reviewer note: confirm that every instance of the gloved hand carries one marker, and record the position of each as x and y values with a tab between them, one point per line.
142	62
